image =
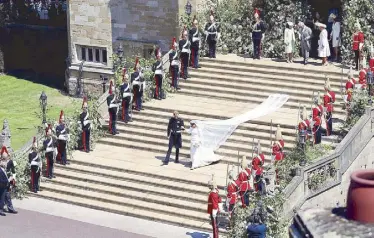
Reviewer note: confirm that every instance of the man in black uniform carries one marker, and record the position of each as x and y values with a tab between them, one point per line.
138	84
86	126
212	35
174	64
11	174
62	137
258	35
35	166
195	43
112	103
174	134
126	97
184	49
49	146
157	68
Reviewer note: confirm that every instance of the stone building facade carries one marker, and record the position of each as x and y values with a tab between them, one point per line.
97	27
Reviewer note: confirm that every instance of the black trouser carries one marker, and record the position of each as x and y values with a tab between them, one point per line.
184	64
158	88
212	48
328	123
8	201
35	173
357	58
50	164
214	226
113	120
174	76
61	148
125	109
256	48
317	135
86	139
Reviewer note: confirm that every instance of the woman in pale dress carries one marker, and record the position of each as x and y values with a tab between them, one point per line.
335	36
200	156
323	44
289	41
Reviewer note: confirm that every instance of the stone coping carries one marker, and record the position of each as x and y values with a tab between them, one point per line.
319	222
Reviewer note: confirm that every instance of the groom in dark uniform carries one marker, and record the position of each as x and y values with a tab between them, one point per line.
174	133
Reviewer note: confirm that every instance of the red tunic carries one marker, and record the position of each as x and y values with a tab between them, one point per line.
357	39
350	84
245	186
371	64
278	146
304	125
232	190
213	200
244	175
328	100
256	163
317	121
317	111
362	77
262	157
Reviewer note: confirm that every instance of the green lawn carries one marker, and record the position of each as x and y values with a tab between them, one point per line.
19	104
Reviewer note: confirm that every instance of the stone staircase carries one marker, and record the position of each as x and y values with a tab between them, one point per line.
124	174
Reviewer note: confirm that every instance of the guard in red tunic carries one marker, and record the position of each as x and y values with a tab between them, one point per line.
278	146
258	162
358	43
304	125
317	109
243	181
232	192
350	81
371	60
362	78
317	130
213	207
328	101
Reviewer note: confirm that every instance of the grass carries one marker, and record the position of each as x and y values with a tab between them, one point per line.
19	104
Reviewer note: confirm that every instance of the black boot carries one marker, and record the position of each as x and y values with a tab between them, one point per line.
177	156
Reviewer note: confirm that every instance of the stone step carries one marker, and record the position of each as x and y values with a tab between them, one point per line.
128	185
140	194
128	202
157	124
251	86
201	92
267	64
239	136
125	210
302	97
229	155
166	113
145	179
266	81
234	142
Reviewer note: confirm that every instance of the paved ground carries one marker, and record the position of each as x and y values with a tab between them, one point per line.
39	225
39	218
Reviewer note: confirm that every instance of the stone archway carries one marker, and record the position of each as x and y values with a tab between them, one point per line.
324	7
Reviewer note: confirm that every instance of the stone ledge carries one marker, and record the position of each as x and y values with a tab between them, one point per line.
328	223
93	68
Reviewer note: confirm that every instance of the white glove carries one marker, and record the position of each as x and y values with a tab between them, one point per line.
218	35
263	37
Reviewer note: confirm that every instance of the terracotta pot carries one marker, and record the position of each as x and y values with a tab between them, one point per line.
360	201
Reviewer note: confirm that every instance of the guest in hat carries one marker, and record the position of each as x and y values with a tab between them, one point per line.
289	41
323	44
335	35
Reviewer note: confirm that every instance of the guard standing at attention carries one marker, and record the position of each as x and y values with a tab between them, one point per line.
62	138
212	32
86	126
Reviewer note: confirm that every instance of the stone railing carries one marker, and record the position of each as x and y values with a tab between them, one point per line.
327	172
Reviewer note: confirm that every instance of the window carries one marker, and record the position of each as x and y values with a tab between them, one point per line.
93	54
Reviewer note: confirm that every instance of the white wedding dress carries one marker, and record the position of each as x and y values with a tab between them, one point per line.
200	156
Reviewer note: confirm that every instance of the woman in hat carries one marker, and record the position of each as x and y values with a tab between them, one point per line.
289	41
335	35
323	44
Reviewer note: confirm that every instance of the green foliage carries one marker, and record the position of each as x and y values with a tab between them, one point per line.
276	227
236	19
353	10
360	99
321	176
278	13
146	65
73	123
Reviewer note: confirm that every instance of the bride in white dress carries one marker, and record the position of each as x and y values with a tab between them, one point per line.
200	156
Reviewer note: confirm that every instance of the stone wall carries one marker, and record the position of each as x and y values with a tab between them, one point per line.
338	195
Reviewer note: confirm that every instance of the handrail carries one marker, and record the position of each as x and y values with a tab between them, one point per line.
332	167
